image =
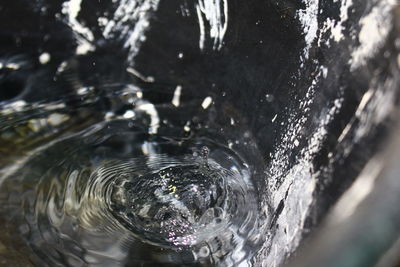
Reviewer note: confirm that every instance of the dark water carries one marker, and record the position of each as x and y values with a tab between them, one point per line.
182	133
121	189
103	165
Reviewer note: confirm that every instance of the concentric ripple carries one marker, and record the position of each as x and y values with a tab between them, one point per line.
115	194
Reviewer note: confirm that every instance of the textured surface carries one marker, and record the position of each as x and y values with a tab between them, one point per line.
303	91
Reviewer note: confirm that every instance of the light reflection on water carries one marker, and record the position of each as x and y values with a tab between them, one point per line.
113	192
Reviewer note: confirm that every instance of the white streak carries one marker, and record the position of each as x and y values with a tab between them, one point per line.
202	28
206	102
12	107
57	119
148	79
309	20
62	67
128	13
177	96
129	114
83	35
215	12
51	106
151	110
357	192
13	66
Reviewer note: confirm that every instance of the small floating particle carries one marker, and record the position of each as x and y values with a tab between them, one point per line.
62	67
177	96
44	58
206	102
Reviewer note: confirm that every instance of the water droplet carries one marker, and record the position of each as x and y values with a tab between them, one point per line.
116	182
44	58
270	98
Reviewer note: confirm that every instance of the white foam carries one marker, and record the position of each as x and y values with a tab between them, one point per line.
374	29
309	21
337	29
